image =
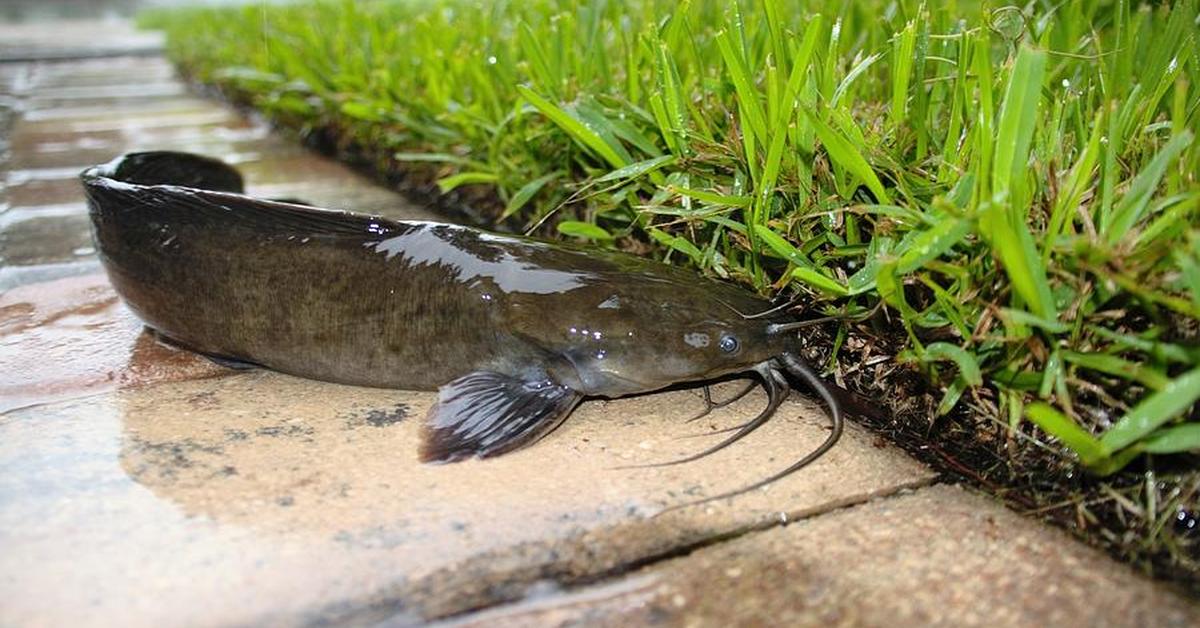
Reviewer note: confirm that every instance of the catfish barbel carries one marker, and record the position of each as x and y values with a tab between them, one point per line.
511	332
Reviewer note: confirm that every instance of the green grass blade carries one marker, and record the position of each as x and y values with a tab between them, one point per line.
902	68
770	172
816	279
527	192
712	198
748	97
843	153
672	100
1021	317
678	244
446	184
665	129
574	127
1058	425
968	366
585	230
950	398
1114	365
440	158
781	247
1174	440
1131	206
1018	118
1075	186
931	243
1154	411
855	72
635	170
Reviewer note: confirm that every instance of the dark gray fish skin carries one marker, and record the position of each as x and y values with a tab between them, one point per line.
512	330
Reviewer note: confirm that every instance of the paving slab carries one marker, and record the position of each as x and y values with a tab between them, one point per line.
74	92
44	237
939	556
265	498
90	149
40	192
210	138
15	276
74	38
73	114
88	74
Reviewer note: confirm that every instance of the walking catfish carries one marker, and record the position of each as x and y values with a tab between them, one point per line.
512	332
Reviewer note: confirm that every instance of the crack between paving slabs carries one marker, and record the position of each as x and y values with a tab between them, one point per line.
82	55
392	608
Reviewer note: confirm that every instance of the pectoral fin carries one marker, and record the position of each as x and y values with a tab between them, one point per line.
486	414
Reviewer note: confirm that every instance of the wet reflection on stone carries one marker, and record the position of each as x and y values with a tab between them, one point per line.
70	337
82	541
45	238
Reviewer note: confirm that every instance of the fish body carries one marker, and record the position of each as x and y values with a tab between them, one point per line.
511	331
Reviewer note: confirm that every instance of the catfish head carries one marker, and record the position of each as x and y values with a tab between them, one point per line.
643	332
610	332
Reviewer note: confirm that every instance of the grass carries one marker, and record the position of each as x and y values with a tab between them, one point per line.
1016	184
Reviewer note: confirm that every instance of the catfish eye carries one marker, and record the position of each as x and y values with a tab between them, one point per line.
728	344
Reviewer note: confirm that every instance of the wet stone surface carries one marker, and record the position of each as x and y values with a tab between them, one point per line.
15	276
49	149
36	193
73	38
313	492
44	237
73	337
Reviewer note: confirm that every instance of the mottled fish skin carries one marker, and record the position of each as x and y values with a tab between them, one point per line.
511	331
365	300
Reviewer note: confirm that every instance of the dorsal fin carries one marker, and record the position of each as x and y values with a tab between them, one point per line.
207	190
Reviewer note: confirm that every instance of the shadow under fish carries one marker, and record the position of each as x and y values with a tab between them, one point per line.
512	332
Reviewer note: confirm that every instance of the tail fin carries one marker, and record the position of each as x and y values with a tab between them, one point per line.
169	168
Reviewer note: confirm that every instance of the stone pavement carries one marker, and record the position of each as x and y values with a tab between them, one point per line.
937	556
140	485
75	39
